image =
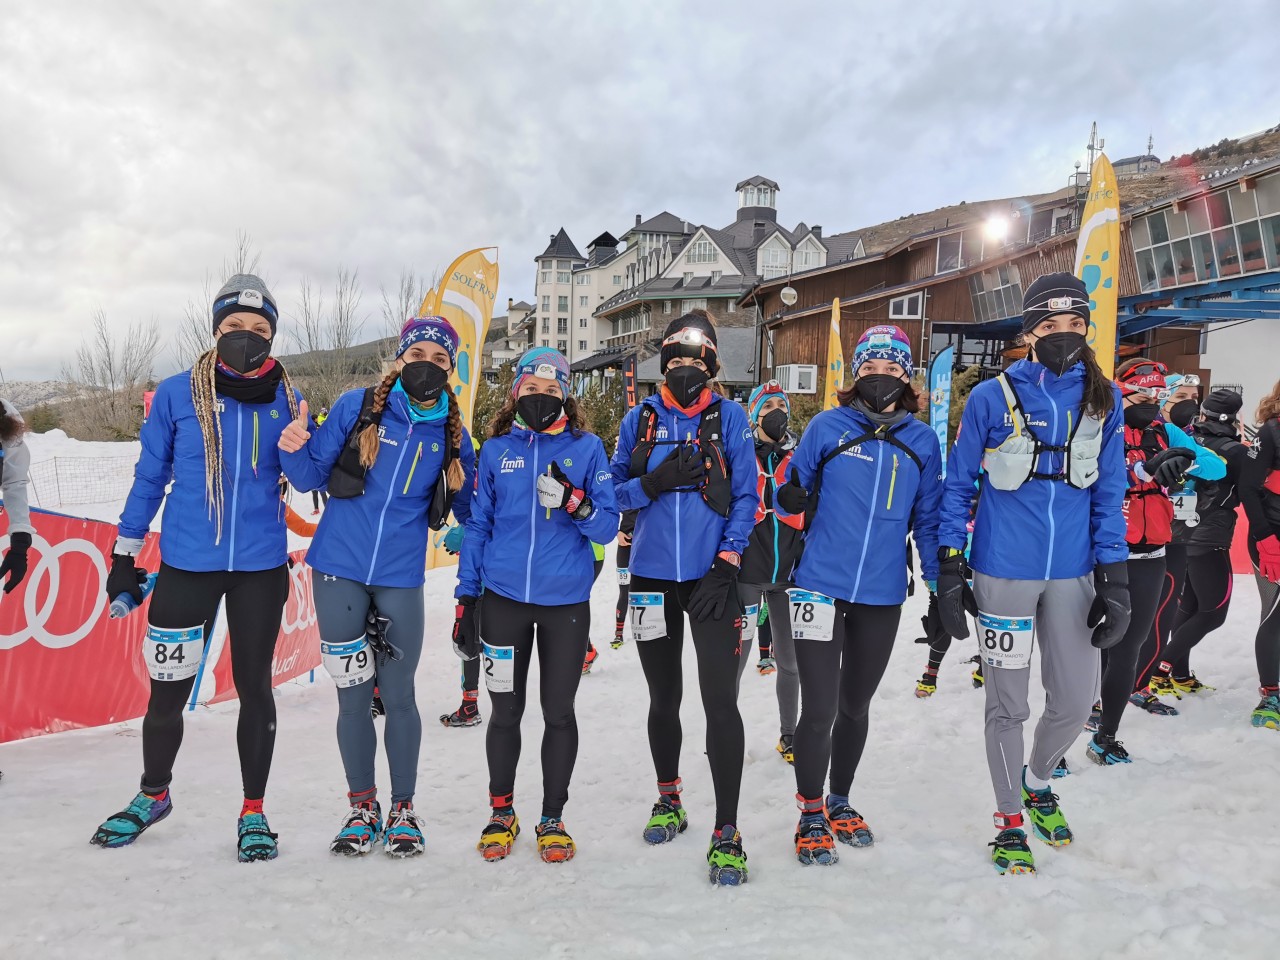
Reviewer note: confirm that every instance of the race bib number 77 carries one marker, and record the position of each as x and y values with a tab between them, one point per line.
648	616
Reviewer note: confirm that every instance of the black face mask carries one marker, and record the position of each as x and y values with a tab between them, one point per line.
539	410
774	424
1140	415
1183	412
880	391
424	381
1060	351
243	350
686	383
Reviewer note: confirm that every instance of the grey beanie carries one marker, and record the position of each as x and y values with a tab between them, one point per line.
245	293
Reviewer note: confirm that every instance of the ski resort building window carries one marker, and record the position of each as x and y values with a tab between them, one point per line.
702	251
564	276
546	303
584	279
562	304
544	276
582	301
996	294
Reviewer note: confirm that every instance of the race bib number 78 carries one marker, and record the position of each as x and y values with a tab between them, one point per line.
813	615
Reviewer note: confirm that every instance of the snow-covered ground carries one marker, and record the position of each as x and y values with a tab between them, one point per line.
1175	854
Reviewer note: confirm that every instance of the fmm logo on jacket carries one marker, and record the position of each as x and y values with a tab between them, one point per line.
509	464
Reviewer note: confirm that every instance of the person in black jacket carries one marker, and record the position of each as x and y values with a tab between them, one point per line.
1206	594
1260	494
774	546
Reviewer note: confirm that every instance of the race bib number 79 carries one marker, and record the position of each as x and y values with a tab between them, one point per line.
813	615
1005	642
349	664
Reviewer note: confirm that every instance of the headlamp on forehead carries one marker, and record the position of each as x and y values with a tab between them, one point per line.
546	371
690	337
1065	303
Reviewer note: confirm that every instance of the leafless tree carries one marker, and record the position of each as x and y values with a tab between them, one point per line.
195	331
406	302
107	379
327	336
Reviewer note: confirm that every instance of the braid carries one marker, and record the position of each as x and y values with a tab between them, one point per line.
292	397
453	436
204	399
369	435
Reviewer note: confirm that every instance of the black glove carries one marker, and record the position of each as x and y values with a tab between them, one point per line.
466	638
15	561
933	630
955	596
711	596
125	577
792	497
1110	613
1169	467
682	468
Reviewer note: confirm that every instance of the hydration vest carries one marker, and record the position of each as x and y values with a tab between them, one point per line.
1148	510
715	488
765	507
346	479
1017	460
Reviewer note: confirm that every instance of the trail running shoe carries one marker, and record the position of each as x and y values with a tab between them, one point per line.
1185	685
254	840
121	829
786	749
376	708
1163	686
554	843
589	659
976	676
499	834
1061	770
1148	701
927	685
814	842
1107	751
467	715
726	860
847	825
766	666
1010	853
666	820
404	832
619	638
1095	718
1267	713
1047	820
360	831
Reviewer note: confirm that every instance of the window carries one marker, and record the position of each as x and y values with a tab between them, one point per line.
584	279
544	276
731	307
582	301
702	251
1219	235
617	279
546	343
582	346
910	307
564	276
546	325
1268	192
1271	240
1250	237
562	325
546	303
562	345
716	275
666	306
773	261
1158	229
688	279
996	294
1228	254
582	322
1062	224
1146	271
699	304
562	304
948	253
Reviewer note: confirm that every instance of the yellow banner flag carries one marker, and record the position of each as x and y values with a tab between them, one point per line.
465	298
1098	260
835	359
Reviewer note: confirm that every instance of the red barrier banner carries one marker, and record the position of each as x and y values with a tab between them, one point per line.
63	662
297	647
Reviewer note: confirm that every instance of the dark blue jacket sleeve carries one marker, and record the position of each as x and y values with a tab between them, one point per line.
309	468
155	464
479	528
627	491
963	467
462	499
1106	497
927	518
601	525
743	468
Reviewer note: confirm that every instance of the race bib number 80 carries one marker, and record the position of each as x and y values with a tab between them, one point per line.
173	654
813	615
349	664
499	668
648	616
1005	642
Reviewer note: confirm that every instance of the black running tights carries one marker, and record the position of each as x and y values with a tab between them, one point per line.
1206	598
1267	642
1120	663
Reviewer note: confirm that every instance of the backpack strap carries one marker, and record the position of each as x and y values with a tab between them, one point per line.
346	479
646	429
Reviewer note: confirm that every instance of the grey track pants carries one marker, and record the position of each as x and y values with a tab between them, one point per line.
784	649
1069	670
341	606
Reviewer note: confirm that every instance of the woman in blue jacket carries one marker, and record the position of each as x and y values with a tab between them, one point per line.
543	495
212	433
686	463
868	474
1048	552
395	458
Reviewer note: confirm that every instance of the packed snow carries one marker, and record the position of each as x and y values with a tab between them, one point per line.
1175	854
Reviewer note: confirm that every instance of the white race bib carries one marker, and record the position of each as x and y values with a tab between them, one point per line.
173	654
350	663
813	615
1006	642
624	576
648	616
499	664
750	623
1184	508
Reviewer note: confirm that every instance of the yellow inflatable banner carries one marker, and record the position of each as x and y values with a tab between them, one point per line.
835	359
1098	260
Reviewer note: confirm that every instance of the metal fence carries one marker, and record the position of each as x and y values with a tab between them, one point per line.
68	481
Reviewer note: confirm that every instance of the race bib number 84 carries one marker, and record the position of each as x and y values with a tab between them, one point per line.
173	654
813	615
1005	642
648	616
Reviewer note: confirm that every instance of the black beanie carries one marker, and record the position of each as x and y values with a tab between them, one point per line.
1222	405
1052	294
706	350
244	293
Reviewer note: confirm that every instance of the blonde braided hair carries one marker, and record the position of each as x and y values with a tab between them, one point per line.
205	400
453	431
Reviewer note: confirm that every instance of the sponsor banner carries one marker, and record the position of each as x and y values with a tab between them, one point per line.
1098	260
940	398
835	360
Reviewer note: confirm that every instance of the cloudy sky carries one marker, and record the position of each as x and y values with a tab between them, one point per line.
140	136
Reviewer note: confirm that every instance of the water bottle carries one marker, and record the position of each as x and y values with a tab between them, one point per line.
123	605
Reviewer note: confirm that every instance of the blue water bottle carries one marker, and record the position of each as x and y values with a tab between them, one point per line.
123	605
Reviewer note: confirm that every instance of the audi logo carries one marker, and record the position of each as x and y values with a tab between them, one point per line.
300	609
37	626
